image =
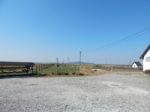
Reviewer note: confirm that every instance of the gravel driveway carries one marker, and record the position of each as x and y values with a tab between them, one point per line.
104	93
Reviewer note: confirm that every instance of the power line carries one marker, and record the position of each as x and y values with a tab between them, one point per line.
124	39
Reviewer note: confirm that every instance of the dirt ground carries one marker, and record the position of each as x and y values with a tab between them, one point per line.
115	92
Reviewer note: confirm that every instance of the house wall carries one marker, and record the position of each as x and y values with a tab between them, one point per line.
146	62
134	65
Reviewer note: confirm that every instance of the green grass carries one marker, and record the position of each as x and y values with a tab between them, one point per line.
61	70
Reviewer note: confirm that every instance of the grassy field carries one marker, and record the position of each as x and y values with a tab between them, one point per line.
67	69
60	70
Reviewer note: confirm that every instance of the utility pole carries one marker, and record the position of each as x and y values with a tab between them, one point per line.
80	57
68	60
57	65
57	61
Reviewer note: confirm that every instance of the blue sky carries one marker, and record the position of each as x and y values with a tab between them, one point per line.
41	30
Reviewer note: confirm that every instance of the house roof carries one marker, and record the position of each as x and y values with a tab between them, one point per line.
146	50
137	63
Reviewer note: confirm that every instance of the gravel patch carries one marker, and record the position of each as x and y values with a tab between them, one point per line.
104	93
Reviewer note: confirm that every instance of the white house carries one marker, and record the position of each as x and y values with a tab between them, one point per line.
137	65
146	59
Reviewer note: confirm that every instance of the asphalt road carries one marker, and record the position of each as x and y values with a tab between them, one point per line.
104	93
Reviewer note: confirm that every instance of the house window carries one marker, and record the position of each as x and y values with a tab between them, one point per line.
148	59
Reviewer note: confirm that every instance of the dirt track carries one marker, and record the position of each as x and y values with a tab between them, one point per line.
104	93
